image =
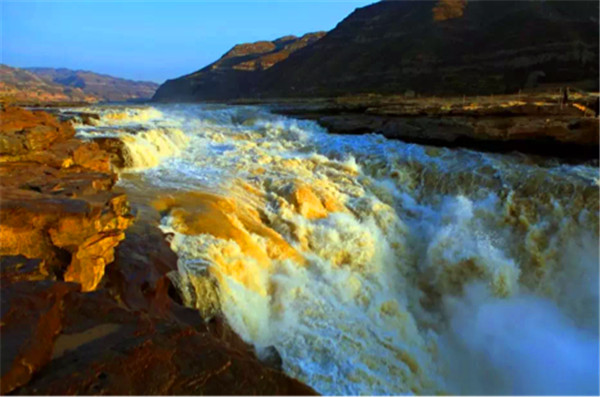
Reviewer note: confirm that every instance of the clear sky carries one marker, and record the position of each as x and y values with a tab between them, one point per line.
151	40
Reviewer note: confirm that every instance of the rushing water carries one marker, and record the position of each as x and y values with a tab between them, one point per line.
375	266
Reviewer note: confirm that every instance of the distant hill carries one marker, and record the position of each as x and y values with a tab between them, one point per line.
19	85
104	87
236	72
48	85
446	47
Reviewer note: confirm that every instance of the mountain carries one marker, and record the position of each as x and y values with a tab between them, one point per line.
104	87
236	72
449	47
48	85
19	85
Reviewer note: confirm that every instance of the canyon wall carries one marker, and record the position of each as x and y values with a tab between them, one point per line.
450	47
236	73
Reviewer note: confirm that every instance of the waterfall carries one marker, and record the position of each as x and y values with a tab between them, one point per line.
375	266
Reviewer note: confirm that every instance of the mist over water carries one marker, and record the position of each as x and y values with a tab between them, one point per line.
375	266
520	345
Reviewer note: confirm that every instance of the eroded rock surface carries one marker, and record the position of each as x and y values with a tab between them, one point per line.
88	306
56	201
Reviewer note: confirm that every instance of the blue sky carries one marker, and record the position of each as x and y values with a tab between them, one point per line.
150	40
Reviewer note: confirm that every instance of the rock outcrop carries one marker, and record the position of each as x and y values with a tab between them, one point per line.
56	201
87	303
534	123
59	225
449	47
237	73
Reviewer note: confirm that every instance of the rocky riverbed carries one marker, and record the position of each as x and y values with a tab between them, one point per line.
536	123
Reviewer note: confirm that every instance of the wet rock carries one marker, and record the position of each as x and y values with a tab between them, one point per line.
271	357
115	147
85	118
90	156
38	137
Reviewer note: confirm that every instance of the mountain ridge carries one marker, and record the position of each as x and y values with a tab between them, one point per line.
103	86
449	47
54	85
238	69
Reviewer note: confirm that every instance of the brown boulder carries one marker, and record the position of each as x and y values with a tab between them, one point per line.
55	201
22	131
138	277
82	233
116	149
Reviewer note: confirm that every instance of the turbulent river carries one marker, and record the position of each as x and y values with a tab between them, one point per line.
373	266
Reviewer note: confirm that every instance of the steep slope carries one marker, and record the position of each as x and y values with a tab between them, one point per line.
452	47
19	85
106	88
449	47
237	72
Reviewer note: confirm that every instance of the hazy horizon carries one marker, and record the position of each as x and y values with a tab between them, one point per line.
151	41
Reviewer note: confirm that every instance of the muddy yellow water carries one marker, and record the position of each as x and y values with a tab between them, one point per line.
374	266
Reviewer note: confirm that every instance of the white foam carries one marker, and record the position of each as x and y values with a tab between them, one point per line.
148	148
523	345
416	284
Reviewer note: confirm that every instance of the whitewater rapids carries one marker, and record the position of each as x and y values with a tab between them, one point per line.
374	266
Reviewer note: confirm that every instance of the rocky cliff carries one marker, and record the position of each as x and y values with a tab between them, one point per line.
235	74
87	306
449	47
